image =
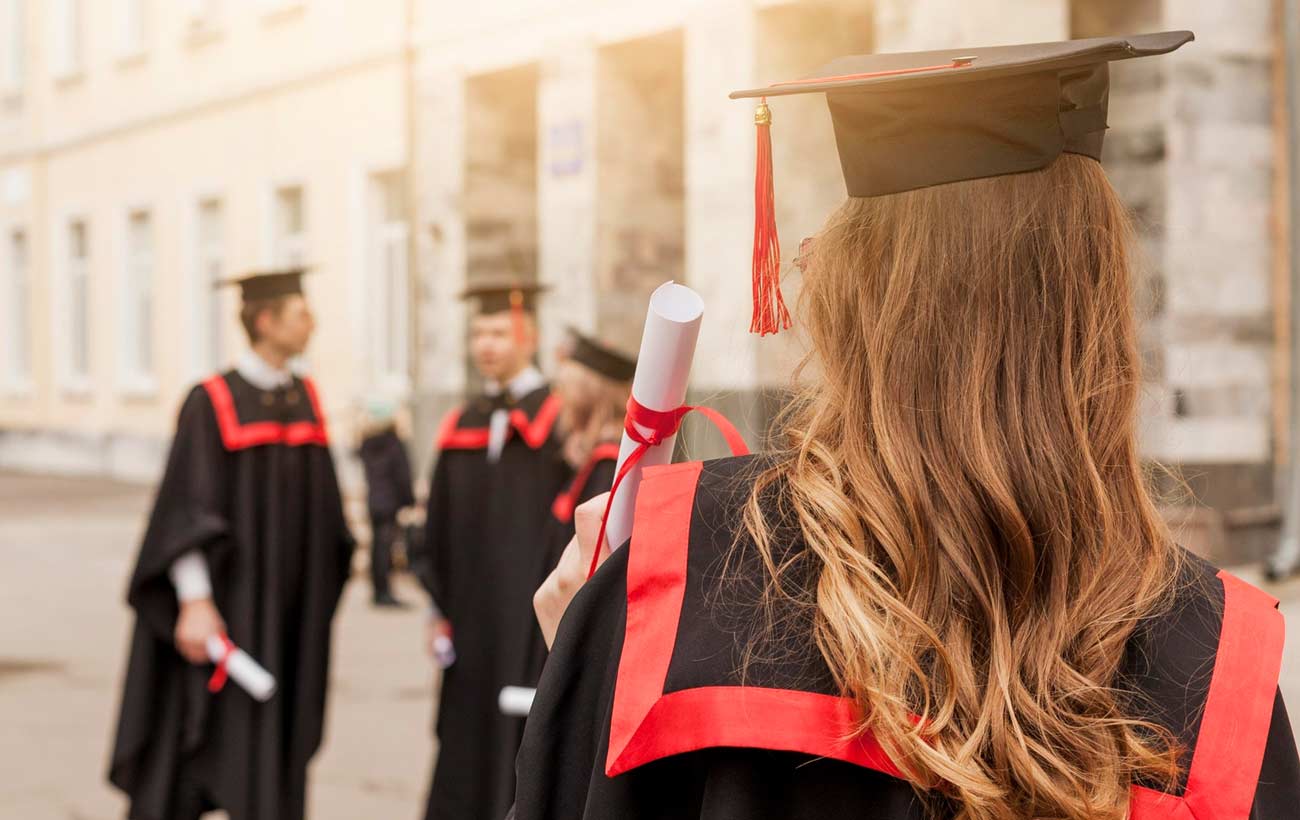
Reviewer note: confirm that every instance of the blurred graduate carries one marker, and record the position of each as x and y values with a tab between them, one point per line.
593	381
246	544
498	470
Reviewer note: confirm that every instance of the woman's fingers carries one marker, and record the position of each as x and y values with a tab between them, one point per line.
555	593
586	520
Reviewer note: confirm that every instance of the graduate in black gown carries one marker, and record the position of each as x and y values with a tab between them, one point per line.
947	594
497	472
593	383
247	538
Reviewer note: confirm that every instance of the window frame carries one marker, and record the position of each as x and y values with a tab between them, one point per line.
68	40
382	234
137	379
18	348
13	29
72	382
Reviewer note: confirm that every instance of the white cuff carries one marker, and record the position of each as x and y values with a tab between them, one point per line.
189	574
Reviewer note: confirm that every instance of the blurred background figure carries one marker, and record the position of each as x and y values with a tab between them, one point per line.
388	491
593	383
498	470
246	544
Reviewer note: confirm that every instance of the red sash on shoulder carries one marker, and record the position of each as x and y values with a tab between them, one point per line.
237	436
648	724
567	501
534	432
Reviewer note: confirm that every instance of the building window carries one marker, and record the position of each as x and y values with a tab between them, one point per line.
210	270
13	35
137	303
387	279
69	37
19	319
134	27
76	295
204	16
290	228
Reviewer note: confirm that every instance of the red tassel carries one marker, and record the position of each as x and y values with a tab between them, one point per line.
770	314
517	316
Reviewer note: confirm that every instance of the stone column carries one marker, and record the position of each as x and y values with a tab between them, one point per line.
1217	260
918	25
719	56
438	164
566	189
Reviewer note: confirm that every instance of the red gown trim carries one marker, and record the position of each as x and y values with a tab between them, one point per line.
1238	712
534	431
238	436
567	501
647	724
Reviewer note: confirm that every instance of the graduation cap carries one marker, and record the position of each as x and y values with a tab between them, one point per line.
272	284
907	121
605	360
497	294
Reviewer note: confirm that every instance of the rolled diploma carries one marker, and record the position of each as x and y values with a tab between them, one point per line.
516	701
243	670
672	327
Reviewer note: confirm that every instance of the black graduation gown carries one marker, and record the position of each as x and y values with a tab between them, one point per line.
640	713
250	483
480	561
592	479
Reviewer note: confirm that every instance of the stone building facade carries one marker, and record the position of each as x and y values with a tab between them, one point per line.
641	171
589	144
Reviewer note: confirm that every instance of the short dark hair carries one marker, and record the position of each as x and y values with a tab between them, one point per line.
254	308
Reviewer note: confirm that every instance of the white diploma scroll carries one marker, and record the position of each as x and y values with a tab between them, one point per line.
672	326
243	670
516	701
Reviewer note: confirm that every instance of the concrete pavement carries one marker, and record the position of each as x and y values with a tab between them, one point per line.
66	547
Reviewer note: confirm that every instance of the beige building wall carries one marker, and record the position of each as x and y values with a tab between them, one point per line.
227	108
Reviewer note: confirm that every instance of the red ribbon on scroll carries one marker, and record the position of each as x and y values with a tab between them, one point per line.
663	425
220	675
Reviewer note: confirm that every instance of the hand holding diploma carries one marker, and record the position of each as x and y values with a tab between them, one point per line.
655	411
553	596
197	621
236	664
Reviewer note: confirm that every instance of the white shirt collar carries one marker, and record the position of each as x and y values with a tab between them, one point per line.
257	372
528	380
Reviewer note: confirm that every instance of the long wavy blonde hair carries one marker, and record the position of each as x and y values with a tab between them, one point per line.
964	469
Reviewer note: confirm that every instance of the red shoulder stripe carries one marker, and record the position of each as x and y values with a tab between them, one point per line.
567	501
535	432
1238	712
646	724
451	437
237	436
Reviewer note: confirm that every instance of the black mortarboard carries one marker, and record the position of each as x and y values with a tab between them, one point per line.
272	284
906	121
601	358
497	294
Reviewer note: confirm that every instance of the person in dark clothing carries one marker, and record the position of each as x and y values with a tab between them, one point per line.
388	491
246	543
498	470
947	593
